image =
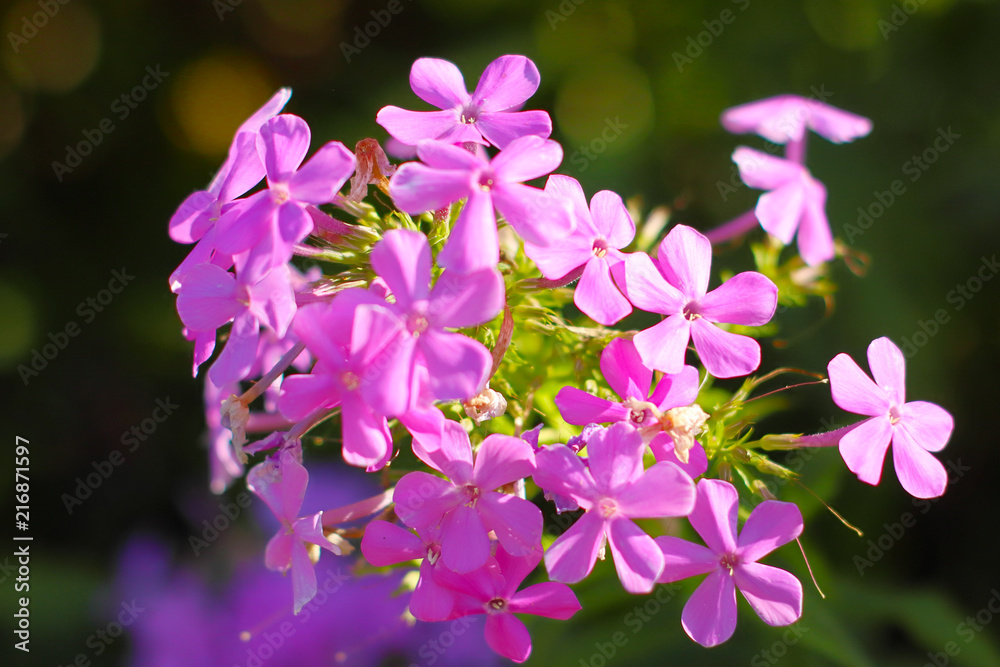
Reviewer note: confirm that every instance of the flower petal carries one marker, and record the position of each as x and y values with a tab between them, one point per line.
647	289
548	599
527	158
502	459
572	556
467	299
422	499
580	408
465	545
403	260
676	390
516	522
386	543
709	617
928	425
536	215
614	457
663	346
664	490
438	82
770	525
724	354
780	211
854	391
598	297
558	470
683	559
685	257
501	128
367	442
412	127
748	298
472	245
624	371
207	298
776	595
815	239
282	144
888	369
863	449
319	179
765	172
303	394
919	472
506	83
457	365
611	219
836	124
508	636
416	188
714	515
638	560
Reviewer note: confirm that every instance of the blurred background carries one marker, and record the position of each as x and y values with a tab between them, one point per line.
112	112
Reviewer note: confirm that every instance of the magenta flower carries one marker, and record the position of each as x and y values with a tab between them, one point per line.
595	243
345	335
466	506
450	173
613	489
709	617
677	286
386	543
630	379
914	429
210	297
271	222
489	115
785	118
282	485
492	590
795	202
422	354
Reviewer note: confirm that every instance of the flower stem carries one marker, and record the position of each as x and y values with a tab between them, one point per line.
732	229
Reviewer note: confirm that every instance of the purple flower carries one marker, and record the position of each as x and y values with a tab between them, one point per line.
489	115
211	296
492	590
422	354
795	202
450	173
345	335
271	222
282	485
466	506
709	617
601	231
630	379
784	118
677	286
914	429
613	489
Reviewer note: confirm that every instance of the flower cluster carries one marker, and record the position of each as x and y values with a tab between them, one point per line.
421	336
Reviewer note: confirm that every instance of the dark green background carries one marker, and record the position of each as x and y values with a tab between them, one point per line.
601	62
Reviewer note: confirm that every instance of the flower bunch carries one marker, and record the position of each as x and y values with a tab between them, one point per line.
427	334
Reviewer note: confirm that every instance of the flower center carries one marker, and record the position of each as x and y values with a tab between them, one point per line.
469	114
486	181
351	380
894	414
607	507
729	561
637	416
433	553
600	248
471	494
280	193
496	606
416	324
691	312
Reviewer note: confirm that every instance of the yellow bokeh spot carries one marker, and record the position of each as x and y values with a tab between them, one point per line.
20	324
567	32
211	97
54	53
607	102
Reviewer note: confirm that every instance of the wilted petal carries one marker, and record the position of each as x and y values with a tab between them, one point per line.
709	617
303	577
776	595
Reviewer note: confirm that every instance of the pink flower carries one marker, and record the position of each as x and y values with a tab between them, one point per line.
709	617
630	379
450	173
677	286
386	543
282	484
601	231
613	489
489	115
466	506
795	202
914	429
492	590
211	296
422	355
345	335
271	222
784	118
